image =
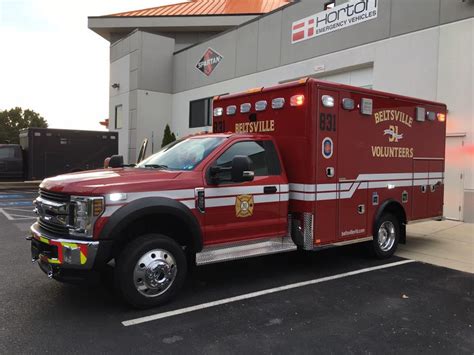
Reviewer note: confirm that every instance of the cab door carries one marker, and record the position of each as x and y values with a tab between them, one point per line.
247	210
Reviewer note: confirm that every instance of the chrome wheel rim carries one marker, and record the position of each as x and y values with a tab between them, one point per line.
386	236
155	272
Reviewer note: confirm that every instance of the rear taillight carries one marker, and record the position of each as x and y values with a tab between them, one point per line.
441	117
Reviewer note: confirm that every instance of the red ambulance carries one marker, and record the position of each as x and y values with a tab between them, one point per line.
305	165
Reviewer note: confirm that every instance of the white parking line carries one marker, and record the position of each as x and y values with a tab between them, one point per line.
246	296
15	216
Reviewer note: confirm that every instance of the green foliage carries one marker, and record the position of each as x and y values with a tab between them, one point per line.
168	136
14	120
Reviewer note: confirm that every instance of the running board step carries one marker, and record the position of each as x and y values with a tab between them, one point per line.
234	251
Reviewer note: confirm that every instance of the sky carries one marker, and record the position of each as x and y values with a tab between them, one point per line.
50	62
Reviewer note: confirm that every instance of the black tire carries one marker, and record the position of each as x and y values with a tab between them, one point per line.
158	277
386	236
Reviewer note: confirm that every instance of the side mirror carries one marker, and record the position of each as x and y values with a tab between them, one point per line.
241	169
142	152
116	161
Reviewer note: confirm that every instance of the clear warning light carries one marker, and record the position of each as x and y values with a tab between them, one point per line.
297	100
328	101
231	110
441	117
218	111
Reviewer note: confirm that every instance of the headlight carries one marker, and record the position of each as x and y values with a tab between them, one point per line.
84	213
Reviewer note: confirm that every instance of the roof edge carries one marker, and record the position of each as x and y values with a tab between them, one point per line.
200	15
281	8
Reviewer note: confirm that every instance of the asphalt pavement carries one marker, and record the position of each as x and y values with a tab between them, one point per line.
346	303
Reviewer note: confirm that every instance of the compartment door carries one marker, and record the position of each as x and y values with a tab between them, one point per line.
436	188
353	209
326	153
421	169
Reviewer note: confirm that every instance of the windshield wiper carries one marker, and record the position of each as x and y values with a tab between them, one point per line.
156	166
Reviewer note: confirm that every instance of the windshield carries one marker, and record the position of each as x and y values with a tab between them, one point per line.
184	154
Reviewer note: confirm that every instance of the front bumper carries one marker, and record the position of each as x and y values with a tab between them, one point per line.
62	253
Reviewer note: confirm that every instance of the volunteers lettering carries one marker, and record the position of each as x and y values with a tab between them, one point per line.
392	152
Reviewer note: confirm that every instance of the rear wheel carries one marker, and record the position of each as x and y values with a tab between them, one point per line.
150	270
386	236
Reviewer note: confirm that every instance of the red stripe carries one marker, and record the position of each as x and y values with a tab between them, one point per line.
298	35
299	25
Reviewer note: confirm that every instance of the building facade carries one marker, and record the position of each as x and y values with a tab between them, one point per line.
165	69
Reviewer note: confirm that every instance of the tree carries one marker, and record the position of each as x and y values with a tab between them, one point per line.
168	136
14	120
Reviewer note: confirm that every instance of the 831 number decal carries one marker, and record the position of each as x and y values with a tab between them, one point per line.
327	122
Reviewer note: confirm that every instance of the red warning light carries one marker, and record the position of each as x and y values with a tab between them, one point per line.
297	100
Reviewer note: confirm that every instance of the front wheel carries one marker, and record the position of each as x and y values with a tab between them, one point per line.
386	237
150	270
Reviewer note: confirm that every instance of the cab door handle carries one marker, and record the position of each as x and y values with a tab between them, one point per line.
269	189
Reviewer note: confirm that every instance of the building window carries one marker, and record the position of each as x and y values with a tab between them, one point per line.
118	117
329	5
200	112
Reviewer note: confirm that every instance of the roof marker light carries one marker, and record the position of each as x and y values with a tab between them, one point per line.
244	108
231	110
297	100
278	103
441	117
328	101
253	90
218	111
260	105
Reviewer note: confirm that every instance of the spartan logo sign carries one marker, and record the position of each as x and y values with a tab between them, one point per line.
209	61
244	206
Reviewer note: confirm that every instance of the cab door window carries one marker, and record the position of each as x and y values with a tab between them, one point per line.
261	153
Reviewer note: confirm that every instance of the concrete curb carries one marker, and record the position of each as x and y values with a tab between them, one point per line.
19	185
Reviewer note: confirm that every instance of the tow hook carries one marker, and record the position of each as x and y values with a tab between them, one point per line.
52	272
49	270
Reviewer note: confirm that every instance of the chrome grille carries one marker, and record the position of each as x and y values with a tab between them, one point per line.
53	228
54	212
54	196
